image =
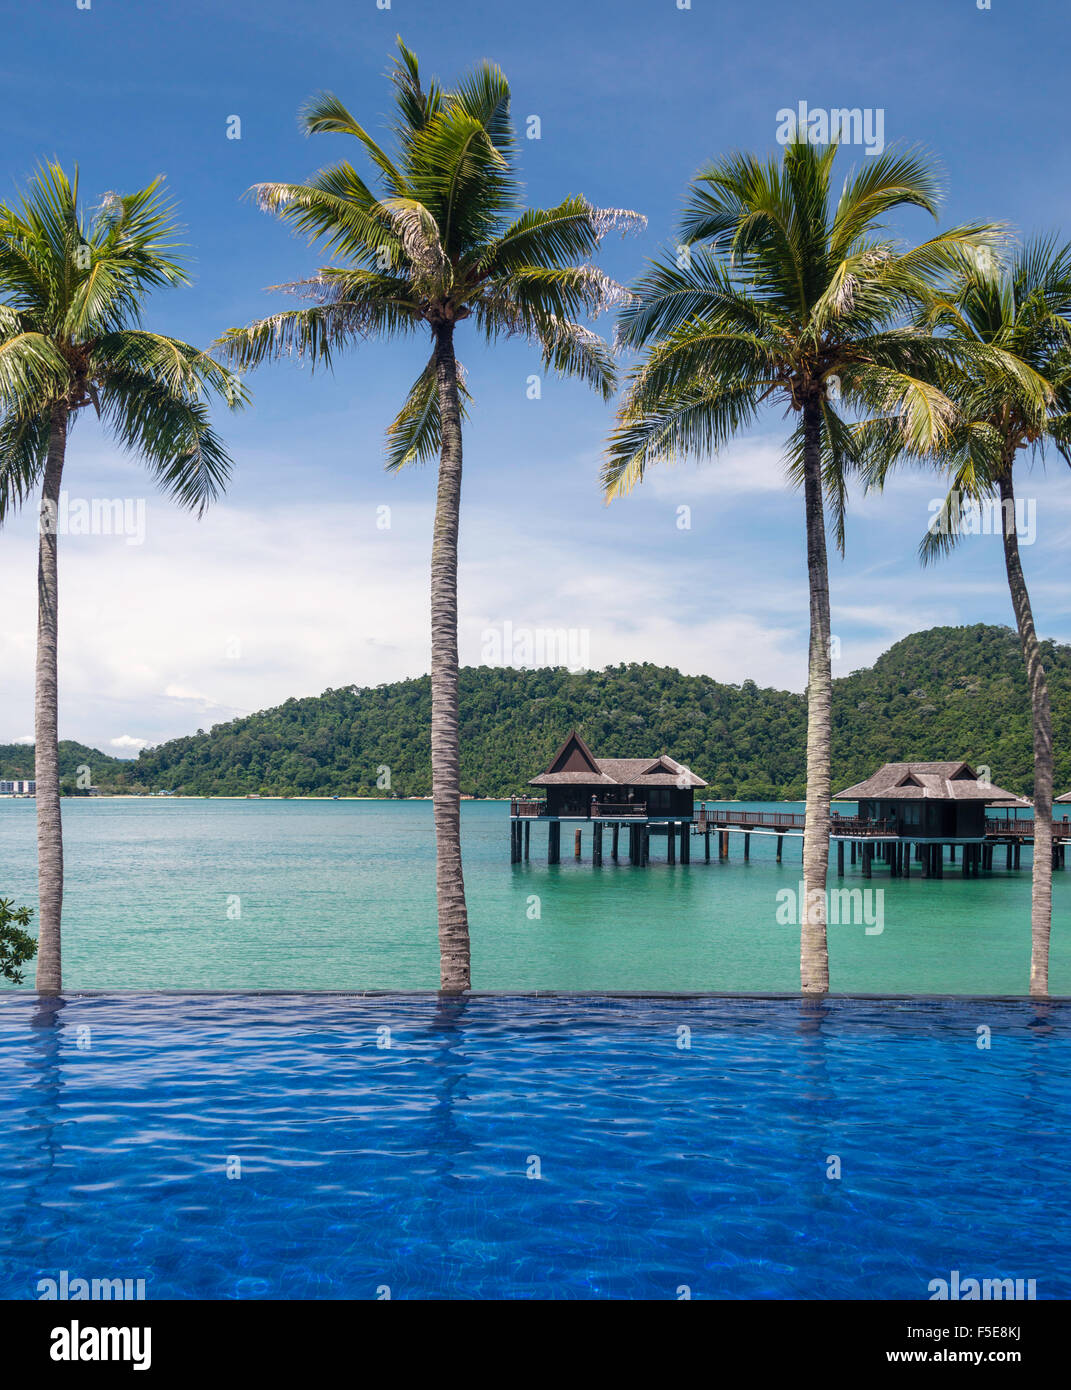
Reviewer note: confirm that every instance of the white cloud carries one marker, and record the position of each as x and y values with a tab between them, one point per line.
744	466
208	621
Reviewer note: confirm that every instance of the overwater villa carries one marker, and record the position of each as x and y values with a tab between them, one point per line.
945	801
609	792
922	808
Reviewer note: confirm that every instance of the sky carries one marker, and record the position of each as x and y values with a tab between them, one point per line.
313	571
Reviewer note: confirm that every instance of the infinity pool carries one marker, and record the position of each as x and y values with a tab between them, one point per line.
319	1146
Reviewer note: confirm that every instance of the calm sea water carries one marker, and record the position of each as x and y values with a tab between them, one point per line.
340	895
533	1147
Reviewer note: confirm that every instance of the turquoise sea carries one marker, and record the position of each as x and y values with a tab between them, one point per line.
231	895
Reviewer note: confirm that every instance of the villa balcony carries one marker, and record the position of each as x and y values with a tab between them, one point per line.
530	807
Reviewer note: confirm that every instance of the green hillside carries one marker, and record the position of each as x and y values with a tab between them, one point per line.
944	693
16	761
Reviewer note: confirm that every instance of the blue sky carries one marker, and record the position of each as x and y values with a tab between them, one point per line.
289	586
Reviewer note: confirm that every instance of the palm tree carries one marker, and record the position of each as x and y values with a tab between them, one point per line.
72	287
781	293
1018	397
440	240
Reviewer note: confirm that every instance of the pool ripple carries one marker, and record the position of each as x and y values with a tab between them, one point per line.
533	1147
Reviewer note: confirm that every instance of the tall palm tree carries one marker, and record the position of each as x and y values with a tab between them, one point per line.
441	239
72	287
783	293
1016	397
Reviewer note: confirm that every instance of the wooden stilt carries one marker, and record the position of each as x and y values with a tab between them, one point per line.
853	851
905	859
952	850
723	844
613	843
840	859
706	844
747	847
645	844
576	845
527	836
1018	853
554	842
671	843
780	843
686	842
868	852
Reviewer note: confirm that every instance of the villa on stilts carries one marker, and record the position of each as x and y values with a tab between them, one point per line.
639	795
922	810
906	813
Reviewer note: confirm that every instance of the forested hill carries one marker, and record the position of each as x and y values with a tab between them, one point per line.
944	693
16	761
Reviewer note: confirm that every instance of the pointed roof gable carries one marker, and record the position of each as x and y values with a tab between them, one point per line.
575	763
573	756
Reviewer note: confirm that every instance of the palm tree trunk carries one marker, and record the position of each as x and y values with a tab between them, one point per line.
1041	716
454	966
46	715
814	950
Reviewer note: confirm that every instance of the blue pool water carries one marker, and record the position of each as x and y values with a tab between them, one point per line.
662	1167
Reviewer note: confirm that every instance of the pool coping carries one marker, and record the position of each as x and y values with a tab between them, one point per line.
565	995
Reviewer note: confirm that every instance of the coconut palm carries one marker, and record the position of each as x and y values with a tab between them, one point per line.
1018	399
783	293
72	286
441	238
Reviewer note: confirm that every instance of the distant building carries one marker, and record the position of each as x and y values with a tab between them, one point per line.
18	788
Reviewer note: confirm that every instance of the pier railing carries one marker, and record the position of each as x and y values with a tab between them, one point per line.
591	810
774	820
859	826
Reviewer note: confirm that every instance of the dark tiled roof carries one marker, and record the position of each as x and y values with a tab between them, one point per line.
662	771
928	782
